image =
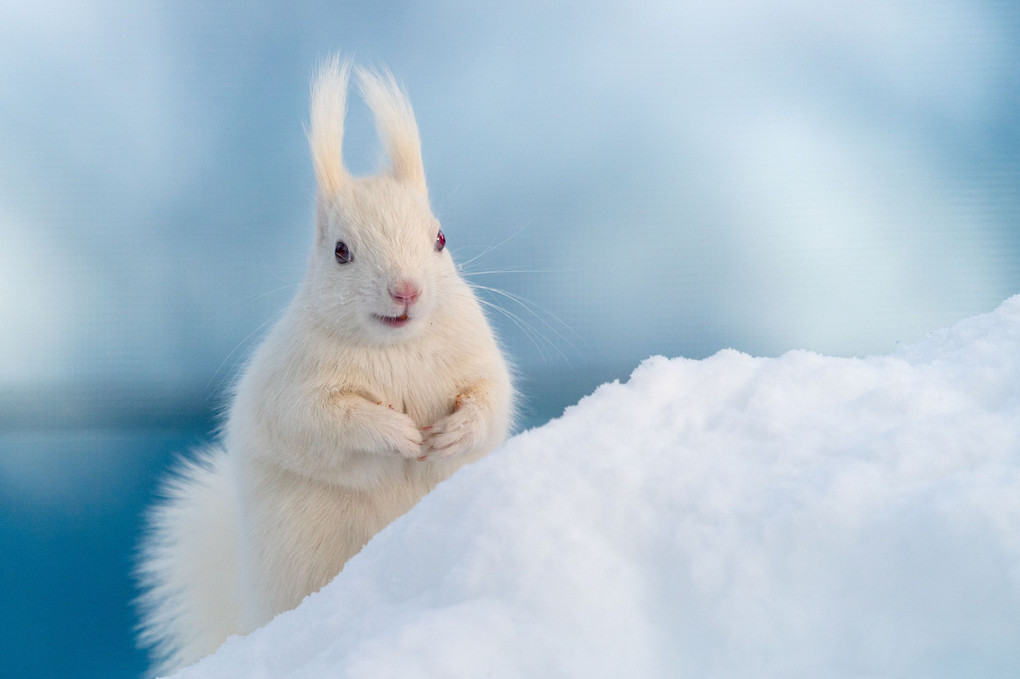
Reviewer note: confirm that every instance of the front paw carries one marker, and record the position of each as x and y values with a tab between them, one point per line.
399	434
454	435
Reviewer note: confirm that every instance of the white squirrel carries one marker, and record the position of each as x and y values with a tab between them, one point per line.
380	380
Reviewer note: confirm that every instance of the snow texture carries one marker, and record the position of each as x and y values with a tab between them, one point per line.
733	517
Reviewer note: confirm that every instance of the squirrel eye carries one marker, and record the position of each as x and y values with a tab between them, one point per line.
343	253
440	241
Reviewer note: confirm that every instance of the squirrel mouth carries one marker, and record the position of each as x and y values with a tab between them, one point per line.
394	321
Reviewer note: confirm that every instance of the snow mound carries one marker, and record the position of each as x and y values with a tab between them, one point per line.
732	517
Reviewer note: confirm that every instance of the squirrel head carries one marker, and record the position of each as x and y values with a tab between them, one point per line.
379	267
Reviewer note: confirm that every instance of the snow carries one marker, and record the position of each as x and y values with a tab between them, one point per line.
732	517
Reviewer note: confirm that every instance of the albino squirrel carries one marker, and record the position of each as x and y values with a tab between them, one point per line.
380	380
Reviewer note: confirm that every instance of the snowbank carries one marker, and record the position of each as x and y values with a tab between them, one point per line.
733	517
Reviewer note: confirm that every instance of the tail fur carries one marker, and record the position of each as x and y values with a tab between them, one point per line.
188	604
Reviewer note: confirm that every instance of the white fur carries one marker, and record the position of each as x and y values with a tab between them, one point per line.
340	423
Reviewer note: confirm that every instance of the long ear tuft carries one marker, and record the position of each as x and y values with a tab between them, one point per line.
328	106
395	123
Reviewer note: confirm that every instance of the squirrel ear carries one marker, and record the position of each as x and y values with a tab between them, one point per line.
326	134
394	121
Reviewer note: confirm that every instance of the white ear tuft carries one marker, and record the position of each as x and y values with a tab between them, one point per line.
328	106
395	123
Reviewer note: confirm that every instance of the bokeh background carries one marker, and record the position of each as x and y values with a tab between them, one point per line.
631	178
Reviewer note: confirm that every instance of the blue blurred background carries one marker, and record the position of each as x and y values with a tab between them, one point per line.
644	177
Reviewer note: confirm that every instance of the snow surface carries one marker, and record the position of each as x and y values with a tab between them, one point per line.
800	516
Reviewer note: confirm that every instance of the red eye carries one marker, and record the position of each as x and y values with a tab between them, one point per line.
343	253
440	241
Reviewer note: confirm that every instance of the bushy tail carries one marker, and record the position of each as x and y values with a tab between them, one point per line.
187	566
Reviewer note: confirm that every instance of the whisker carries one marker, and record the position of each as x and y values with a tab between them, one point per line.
272	319
540	316
525	302
450	195
497	245
529	330
499	271
494	271
276	269
260	295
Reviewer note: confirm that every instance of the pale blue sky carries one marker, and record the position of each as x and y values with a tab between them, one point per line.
673	178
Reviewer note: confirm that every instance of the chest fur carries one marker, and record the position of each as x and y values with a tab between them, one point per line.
418	383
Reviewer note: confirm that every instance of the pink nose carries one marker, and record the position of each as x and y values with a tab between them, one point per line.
405	292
